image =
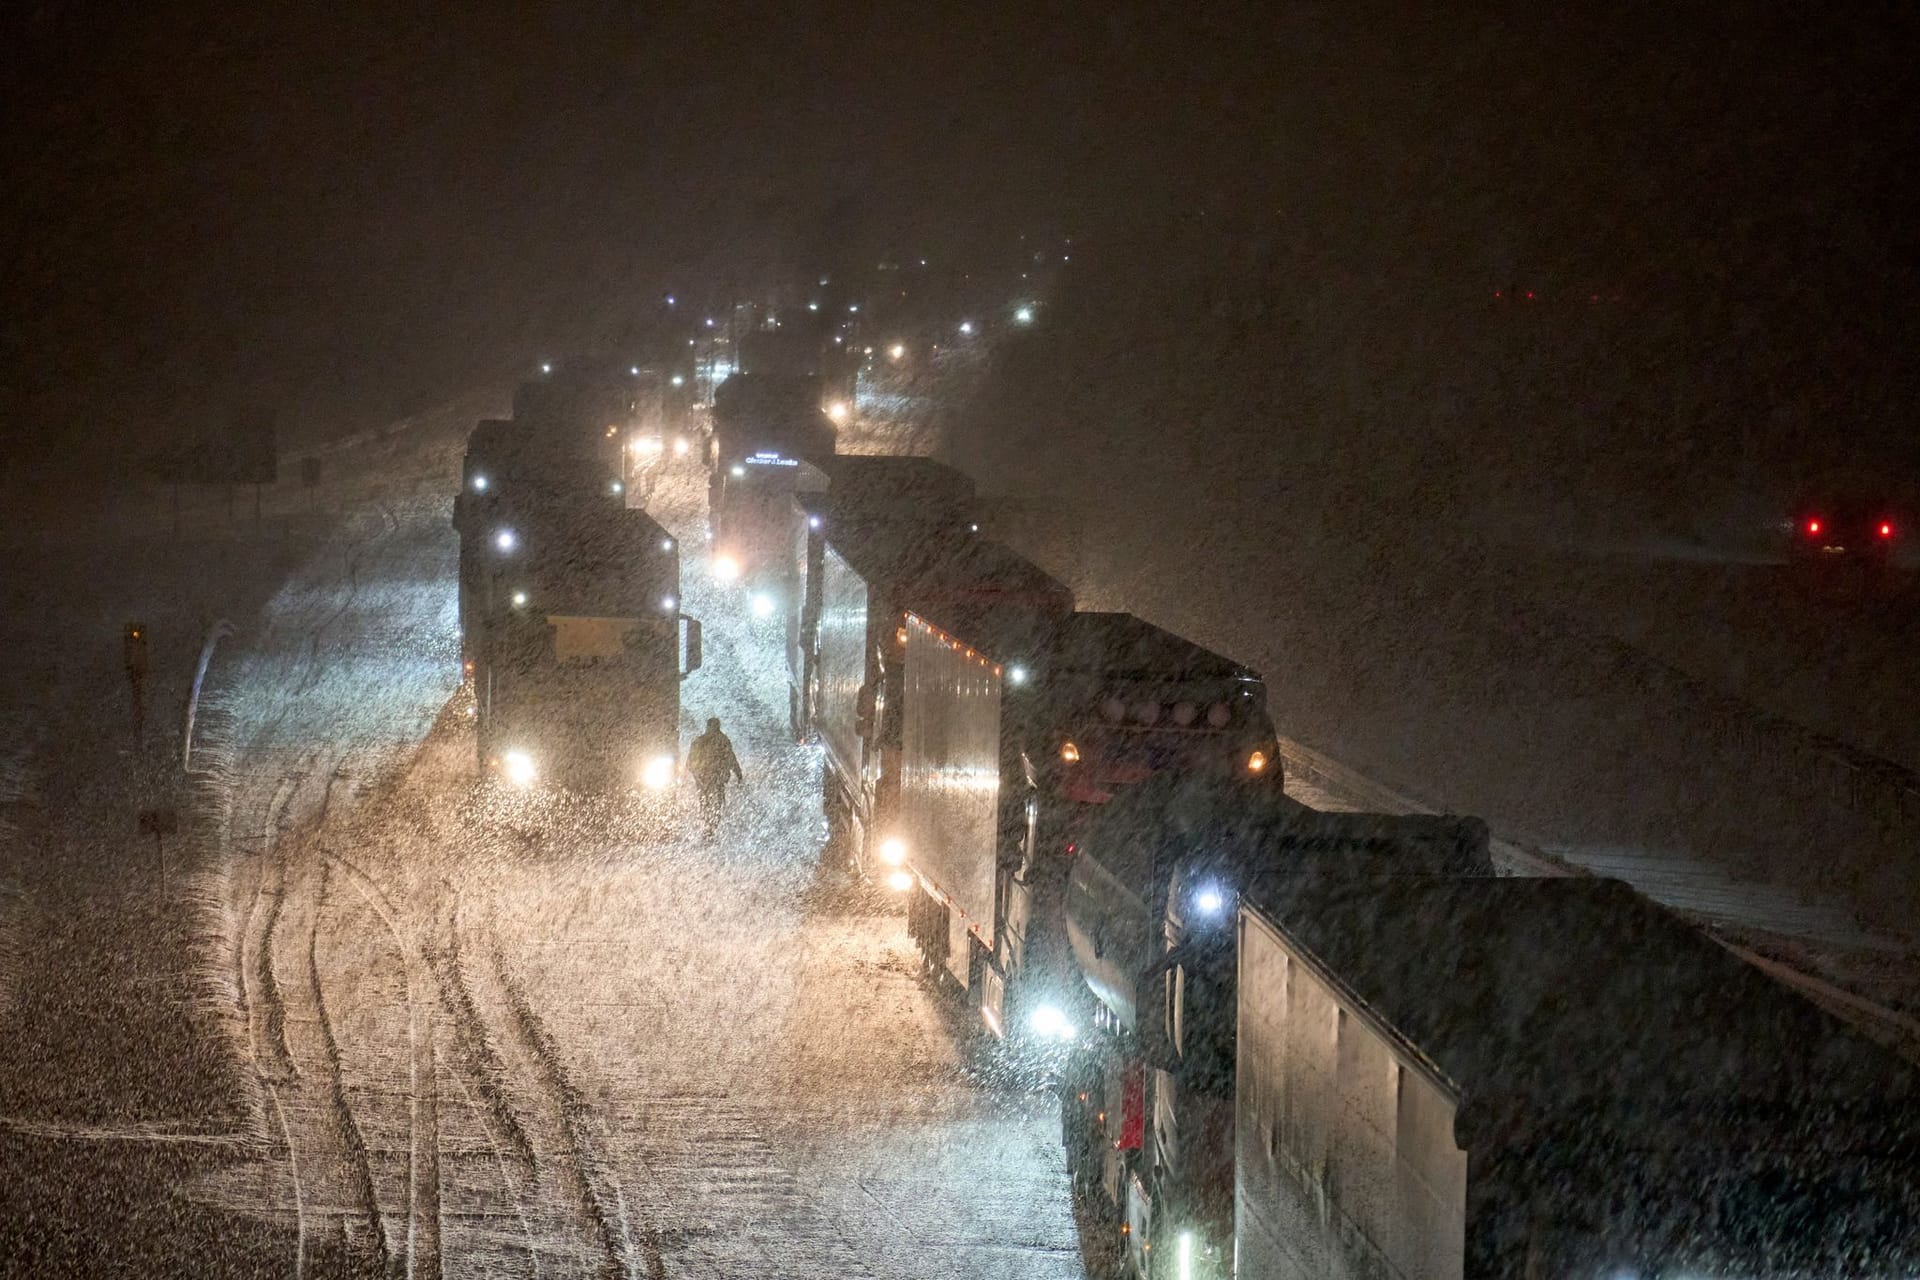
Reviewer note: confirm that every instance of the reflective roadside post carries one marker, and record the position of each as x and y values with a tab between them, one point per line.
133	657
310	480
160	823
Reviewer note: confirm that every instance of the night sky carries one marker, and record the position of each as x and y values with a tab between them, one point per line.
349	211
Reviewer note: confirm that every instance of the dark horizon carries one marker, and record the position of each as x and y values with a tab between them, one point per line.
352	216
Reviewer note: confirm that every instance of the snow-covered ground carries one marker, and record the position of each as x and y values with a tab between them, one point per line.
391	1019
474	1032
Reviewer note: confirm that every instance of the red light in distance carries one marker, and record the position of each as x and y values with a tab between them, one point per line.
1886	528
1813	527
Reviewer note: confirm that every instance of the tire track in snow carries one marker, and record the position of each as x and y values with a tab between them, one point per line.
423	1146
564	1116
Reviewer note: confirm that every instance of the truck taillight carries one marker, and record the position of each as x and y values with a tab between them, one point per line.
1886	528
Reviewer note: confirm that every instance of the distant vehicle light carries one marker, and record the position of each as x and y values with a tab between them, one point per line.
519	599
893	851
666	544
1070	753
479	484
966	327
839	411
1813	527
762	605
1049	1023
1016	675
1886	528
546	368
634	370
737	470
900	881
506	540
677	380
973	528
897	351
669	604
1257	762
813	522
647	445
612	431
657	773
1023	315
618	487
680	446
518	766
726	568
813	306
709	322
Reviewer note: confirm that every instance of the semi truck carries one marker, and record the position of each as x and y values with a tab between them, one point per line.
771	443
896	513
581	404
577	681
1017	726
1548	1077
1147	1095
510	467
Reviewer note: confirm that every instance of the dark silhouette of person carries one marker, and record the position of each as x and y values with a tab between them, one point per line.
712	762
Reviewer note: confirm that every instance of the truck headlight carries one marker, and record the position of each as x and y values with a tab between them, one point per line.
726	568
518	768
657	773
762	605
1049	1023
893	851
680	446
900	881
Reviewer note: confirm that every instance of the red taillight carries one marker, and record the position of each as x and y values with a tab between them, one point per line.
1813	528
1886	528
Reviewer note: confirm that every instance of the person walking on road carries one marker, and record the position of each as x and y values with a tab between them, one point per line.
712	762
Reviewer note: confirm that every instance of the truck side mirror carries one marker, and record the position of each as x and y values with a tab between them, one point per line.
693	646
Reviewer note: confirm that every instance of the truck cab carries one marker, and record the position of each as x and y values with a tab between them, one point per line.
509	468
578	674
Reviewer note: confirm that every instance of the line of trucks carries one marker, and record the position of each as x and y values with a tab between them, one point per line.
1288	1043
1292	1043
